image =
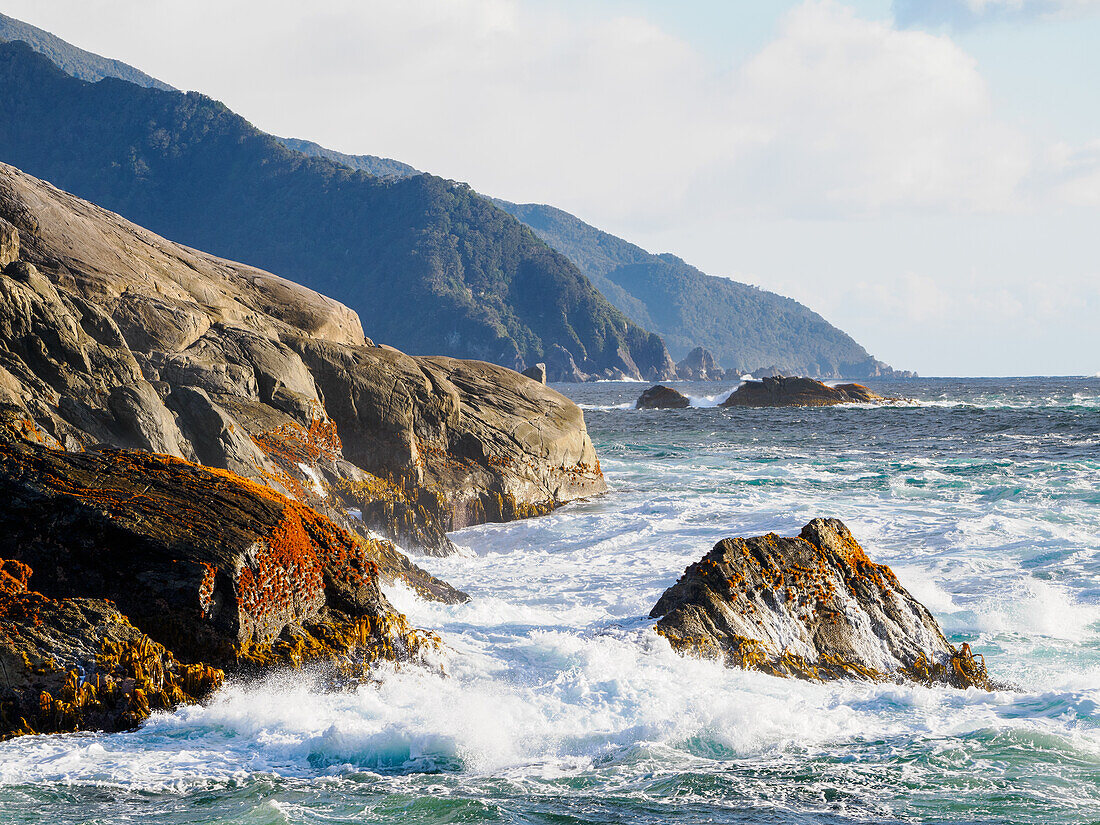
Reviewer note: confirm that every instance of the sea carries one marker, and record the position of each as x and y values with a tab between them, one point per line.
560	705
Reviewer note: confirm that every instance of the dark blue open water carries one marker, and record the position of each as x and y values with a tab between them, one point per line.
562	707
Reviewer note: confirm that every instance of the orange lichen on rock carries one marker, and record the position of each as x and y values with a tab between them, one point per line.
812	606
291	445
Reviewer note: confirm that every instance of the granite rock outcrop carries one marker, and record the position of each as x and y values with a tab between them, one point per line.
113	336
814	607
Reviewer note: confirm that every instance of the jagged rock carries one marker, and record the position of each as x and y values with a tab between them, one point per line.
142	416
9	243
536	372
734	375
812	607
78	664
561	367
797	392
699	365
662	398
767	372
264	378
214	567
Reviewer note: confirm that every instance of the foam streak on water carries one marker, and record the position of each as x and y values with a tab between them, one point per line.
562	706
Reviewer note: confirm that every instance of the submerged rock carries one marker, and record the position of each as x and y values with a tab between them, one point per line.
813	607
661	397
797	392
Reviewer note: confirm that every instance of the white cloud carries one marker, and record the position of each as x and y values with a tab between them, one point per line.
607	115
964	13
838	125
850	116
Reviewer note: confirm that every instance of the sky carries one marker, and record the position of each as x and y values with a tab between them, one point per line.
923	173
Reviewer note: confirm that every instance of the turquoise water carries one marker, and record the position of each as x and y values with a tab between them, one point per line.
562	707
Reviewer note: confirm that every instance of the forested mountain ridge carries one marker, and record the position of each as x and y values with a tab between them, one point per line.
745	327
72	59
429	265
372	164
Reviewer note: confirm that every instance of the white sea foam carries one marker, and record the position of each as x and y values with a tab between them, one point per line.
556	680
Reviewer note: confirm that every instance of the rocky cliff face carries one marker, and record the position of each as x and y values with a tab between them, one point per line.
110	335
813	607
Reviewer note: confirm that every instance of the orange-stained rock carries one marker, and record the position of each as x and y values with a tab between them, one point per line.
815	607
217	568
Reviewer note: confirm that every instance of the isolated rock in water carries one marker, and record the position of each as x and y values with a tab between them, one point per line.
699	365
216	568
813	607
536	372
78	664
662	398
797	392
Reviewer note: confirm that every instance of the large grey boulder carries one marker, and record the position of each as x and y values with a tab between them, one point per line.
815	607
217	438
141	414
536	372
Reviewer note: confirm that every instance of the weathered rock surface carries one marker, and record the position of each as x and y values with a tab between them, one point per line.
661	397
562	368
111	335
536	372
219	570
215	567
797	392
813	607
699	365
78	664
9	243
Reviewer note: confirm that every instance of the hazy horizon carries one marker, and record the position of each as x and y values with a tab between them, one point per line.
924	175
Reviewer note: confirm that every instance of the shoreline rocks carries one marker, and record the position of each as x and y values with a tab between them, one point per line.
203	566
661	397
811	607
783	391
112	336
